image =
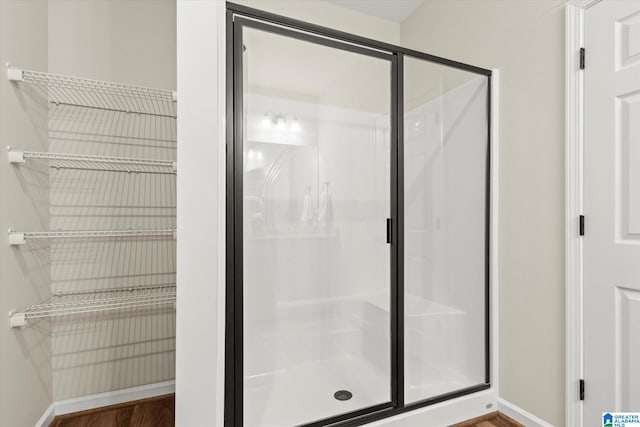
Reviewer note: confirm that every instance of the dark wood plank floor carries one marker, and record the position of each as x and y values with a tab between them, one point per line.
160	412
494	419
154	412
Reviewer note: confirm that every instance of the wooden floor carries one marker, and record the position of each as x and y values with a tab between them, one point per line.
154	412
159	412
494	419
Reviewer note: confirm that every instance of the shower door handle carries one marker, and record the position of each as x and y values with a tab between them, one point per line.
389	230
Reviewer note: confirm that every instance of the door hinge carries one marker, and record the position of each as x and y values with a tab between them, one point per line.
581	226
582	58
389	228
581	389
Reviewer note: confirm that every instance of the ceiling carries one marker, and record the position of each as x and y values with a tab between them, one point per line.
392	10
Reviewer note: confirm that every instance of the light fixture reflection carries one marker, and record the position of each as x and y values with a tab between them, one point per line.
281	121
255	155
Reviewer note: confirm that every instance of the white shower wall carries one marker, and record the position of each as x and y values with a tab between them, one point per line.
350	150
306	316
316	299
445	196
316	294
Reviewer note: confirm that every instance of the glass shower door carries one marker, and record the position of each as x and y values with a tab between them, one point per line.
445	230
316	175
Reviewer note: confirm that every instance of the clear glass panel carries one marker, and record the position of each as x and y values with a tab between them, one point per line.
316	198
445	160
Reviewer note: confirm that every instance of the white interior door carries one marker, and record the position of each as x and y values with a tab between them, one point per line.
612	209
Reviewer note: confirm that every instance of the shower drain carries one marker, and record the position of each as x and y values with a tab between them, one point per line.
343	395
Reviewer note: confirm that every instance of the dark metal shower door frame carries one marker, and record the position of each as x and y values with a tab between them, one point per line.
239	17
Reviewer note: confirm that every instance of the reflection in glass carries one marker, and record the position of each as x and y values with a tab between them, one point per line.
445	160
316	196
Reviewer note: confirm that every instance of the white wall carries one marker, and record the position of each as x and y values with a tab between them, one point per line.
201	211
25	354
524	40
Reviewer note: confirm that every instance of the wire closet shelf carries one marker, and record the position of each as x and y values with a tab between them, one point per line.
70	92
96	163
84	302
79	92
21	238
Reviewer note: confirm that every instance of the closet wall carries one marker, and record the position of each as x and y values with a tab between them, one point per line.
25	354
129	42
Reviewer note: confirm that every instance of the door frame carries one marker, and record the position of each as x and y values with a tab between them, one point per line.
574	198
233	319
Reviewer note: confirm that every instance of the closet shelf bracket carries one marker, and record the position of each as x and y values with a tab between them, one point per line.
17	319
21	238
14	74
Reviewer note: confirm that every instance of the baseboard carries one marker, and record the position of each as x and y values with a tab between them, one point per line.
105	399
520	415
47	417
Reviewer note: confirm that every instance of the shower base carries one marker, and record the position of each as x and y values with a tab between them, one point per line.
305	393
432	382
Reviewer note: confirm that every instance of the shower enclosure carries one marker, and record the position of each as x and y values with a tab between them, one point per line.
357	226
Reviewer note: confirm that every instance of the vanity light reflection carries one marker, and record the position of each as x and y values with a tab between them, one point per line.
281	121
255	155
